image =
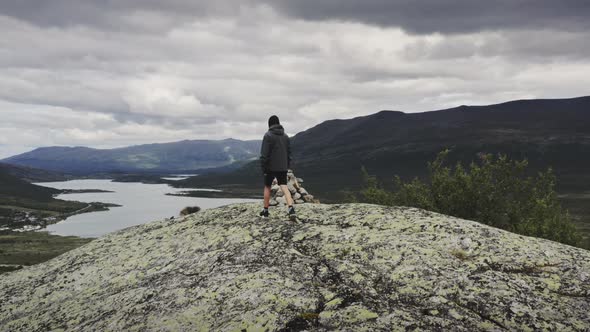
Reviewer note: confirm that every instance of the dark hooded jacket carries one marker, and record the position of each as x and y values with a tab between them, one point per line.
275	153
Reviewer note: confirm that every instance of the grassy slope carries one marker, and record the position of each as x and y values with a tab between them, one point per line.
32	174
17	193
30	248
12	186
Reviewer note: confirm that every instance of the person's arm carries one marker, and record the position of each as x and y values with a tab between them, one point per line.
265	153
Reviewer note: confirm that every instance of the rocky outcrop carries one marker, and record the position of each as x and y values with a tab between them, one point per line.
351	267
298	193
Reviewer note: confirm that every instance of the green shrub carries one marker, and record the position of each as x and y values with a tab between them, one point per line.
495	190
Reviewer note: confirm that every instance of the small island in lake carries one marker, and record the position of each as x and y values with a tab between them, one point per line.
84	191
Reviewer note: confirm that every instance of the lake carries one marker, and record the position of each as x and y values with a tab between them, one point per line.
141	203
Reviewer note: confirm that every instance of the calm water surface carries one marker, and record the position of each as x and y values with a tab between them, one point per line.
141	203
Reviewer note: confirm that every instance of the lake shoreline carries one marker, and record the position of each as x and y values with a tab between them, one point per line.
25	220
83	191
135	203
139	203
216	194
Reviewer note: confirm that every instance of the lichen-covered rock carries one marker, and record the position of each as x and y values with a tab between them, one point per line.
351	267
298	193
292	188
308	198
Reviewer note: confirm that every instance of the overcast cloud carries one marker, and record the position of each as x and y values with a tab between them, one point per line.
113	73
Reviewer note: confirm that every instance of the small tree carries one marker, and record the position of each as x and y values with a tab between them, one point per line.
495	191
372	192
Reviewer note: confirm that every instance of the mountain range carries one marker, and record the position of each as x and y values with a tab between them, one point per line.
157	158
548	132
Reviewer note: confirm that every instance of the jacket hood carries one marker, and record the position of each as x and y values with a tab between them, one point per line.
277	129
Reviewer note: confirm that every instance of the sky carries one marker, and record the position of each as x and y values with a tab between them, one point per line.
111	73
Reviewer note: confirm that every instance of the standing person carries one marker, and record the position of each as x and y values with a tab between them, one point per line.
275	160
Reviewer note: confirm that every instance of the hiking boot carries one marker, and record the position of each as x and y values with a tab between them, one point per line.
264	213
292	214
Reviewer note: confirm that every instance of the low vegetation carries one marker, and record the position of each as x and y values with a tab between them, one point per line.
495	190
28	248
189	210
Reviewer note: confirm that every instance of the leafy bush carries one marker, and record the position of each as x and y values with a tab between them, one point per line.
495	191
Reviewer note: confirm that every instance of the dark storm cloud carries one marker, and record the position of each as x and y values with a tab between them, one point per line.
446	16
116	14
423	16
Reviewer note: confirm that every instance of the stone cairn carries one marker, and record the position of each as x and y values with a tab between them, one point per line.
299	194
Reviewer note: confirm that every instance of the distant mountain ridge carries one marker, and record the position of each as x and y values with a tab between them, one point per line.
523	120
548	132
160	157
